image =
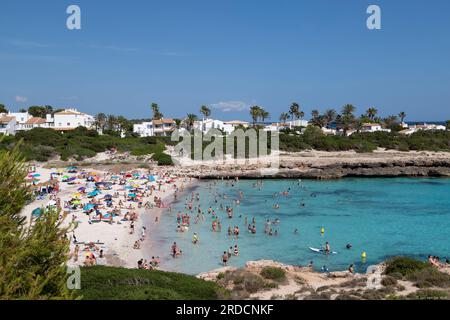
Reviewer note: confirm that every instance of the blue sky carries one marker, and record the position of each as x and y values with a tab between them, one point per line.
228	54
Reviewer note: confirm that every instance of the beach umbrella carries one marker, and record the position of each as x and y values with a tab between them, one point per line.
76	202
81	189
65	177
37	212
132	195
88	207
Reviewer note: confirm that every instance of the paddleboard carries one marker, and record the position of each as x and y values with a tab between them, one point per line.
321	251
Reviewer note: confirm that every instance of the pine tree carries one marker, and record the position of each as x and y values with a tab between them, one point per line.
32	256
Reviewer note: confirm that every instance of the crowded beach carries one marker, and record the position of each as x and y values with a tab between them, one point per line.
107	213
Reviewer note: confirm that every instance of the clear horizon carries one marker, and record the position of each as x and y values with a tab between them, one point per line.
229	56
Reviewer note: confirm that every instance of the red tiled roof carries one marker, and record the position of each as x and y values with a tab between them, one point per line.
7	119
35	120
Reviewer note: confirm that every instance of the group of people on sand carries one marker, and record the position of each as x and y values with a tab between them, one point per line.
436	261
149	265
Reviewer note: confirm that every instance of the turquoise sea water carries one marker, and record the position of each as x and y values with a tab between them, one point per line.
382	216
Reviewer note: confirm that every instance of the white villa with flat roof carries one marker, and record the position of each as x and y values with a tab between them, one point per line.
373	127
208	124
237	123
70	119
423	127
155	128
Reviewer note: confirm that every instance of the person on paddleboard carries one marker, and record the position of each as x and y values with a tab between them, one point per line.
327	248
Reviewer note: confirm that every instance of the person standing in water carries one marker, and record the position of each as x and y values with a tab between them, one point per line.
225	258
195	238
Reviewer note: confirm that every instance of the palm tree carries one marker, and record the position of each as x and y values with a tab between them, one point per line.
264	115
190	120
402	116
3	108
330	115
357	125
157	115
111	122
205	111
284	116
371	113
255	113
391	121
100	121
294	110
301	115
315	114
123	124
348	110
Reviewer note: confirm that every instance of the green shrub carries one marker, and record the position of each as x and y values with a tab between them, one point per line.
404	266
253	283
108	283
162	159
142	151
388	281
429	295
273	273
429	277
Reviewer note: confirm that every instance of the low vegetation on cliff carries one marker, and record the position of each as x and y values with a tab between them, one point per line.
108	283
42	144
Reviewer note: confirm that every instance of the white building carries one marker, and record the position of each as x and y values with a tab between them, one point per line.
373	127
276	126
8	125
70	119
21	117
33	122
237	123
159	128
297	123
208	124
329	131
423	127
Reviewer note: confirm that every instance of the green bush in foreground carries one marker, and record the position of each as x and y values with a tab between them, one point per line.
108	283
273	273
163	159
422	274
404	266
429	295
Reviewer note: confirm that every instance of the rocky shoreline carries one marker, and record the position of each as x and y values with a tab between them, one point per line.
334	165
299	165
268	279
341	170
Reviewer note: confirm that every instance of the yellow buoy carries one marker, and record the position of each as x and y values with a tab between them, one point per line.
322	231
363	255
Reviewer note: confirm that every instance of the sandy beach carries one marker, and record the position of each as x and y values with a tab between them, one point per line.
114	238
